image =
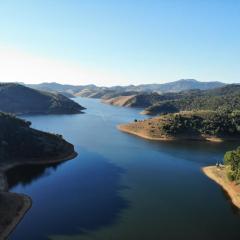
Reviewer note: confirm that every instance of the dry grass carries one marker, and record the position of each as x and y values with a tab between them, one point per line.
219	176
119	101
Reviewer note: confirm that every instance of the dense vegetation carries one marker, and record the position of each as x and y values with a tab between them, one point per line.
194	125
19	141
219	124
19	99
226	98
232	164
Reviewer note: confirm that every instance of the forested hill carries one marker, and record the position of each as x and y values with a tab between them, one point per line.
226	98
20	143
192	125
19	99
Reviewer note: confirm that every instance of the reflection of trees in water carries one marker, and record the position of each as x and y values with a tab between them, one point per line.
204	152
200	146
85	198
235	209
26	174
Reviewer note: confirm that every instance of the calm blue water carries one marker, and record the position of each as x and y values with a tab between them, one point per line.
122	187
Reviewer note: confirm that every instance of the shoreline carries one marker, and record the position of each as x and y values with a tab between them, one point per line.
142	135
218	175
122	127
34	161
26	205
26	200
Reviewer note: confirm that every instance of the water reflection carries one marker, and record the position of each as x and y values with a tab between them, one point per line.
82	195
187	149
26	174
234	209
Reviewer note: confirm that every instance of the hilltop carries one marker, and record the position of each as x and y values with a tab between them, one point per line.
19	99
176	86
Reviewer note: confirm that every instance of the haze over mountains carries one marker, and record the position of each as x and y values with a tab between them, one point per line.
94	91
181	95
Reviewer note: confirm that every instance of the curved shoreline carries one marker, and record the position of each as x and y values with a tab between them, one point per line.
42	162
125	128
219	176
26	200
142	135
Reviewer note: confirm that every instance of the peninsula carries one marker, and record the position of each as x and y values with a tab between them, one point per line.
20	145
188	125
228	176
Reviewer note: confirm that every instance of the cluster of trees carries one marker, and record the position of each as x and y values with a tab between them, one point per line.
232	163
222	99
19	141
213	123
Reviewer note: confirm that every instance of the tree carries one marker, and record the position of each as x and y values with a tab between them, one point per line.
232	163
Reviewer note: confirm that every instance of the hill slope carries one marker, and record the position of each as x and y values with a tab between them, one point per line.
224	98
19	142
57	87
19	99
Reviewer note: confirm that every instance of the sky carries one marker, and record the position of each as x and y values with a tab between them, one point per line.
111	42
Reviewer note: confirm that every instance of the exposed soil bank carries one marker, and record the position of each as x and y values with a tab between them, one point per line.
219	176
127	129
142	132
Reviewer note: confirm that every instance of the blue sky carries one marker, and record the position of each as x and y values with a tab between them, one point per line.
119	42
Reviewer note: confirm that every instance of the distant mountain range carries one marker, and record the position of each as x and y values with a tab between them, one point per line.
176	86
181	85
19	99
226	98
61	88
94	91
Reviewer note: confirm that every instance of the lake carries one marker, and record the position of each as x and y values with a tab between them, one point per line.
122	187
